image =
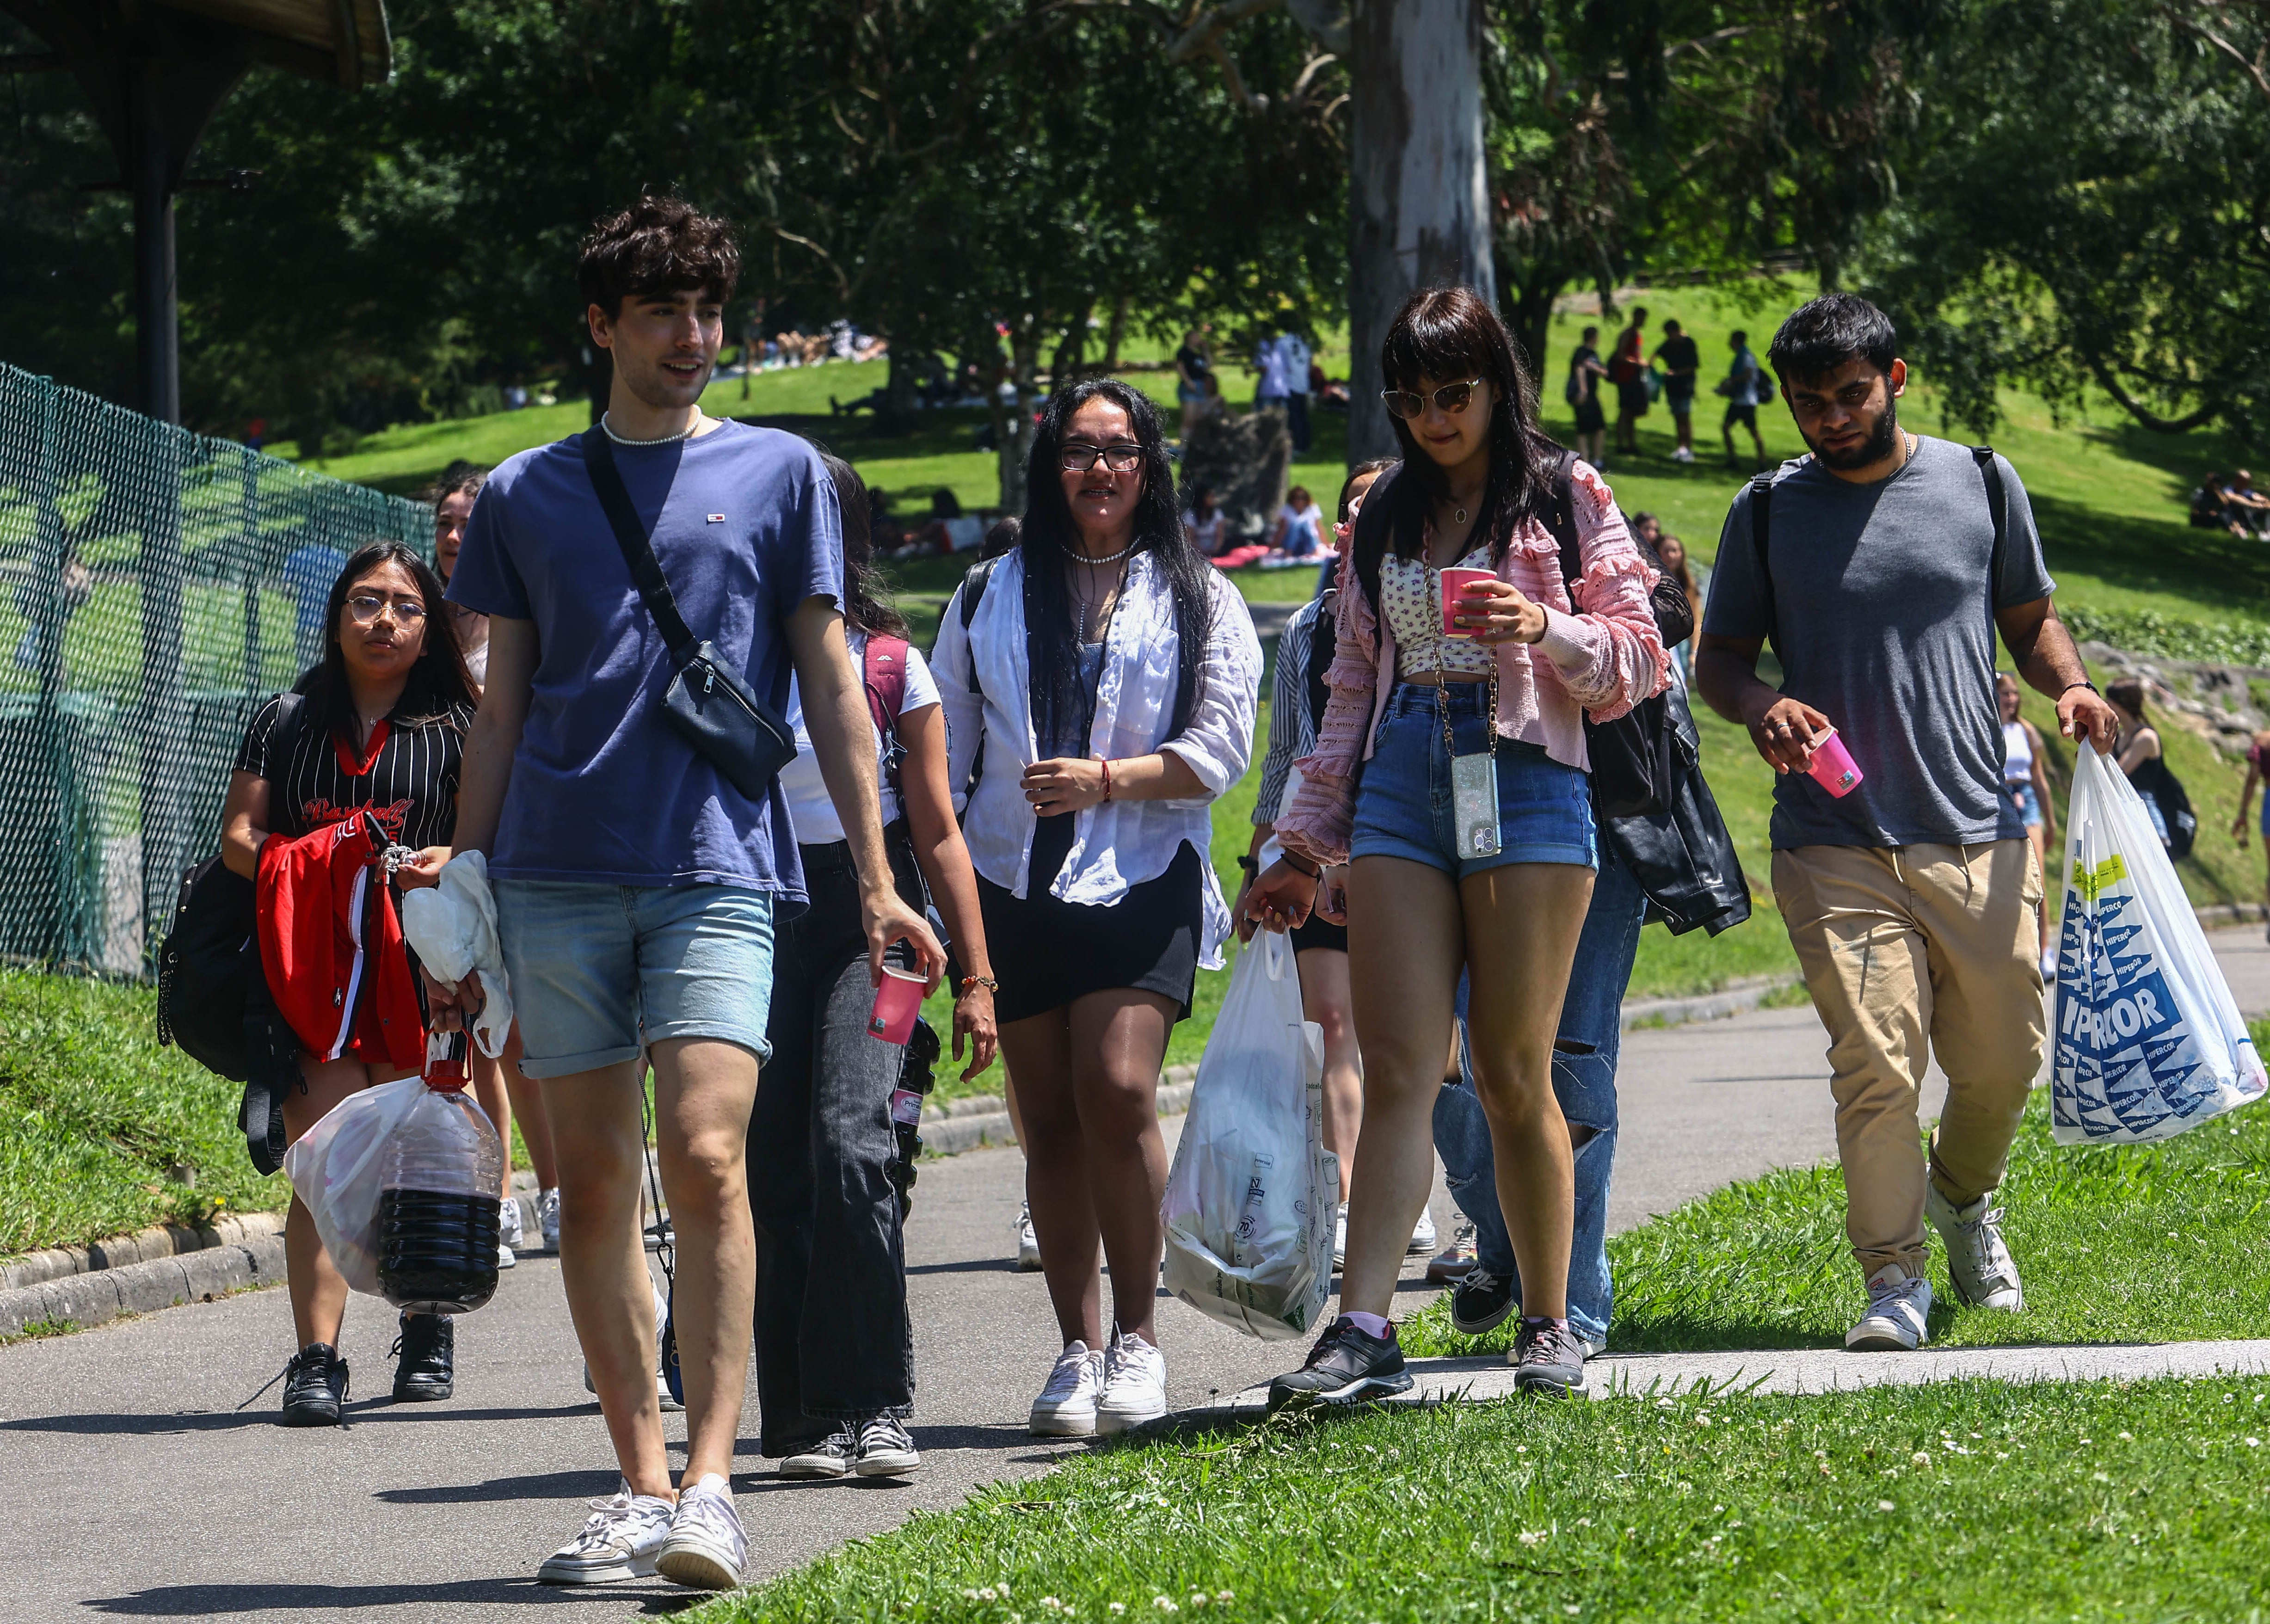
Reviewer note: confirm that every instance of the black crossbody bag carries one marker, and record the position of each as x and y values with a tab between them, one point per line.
706	703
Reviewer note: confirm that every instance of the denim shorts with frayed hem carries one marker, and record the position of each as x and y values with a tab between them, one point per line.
599	971
1403	806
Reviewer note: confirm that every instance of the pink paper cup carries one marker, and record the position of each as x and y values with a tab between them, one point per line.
1832	767
1454	586
896	1002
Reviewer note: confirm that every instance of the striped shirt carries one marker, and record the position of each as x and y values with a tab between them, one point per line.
1292	735
406	775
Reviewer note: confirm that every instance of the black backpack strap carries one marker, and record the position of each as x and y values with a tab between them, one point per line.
1324	649
1761	543
1998	503
638	552
1560	517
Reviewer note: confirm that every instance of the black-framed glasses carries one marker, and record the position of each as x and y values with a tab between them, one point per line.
1408	404
1122	458
365	607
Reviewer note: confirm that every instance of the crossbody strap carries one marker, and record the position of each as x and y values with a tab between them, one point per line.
1762	544
638	552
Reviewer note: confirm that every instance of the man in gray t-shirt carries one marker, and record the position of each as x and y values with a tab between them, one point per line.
1913	901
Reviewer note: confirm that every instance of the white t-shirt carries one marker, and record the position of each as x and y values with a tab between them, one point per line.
809	807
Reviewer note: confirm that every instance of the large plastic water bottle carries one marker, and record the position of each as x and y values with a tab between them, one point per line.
438	1207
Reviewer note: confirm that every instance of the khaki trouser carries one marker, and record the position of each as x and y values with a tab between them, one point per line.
1900	945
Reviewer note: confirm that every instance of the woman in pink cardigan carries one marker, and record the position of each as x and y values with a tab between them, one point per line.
1450	778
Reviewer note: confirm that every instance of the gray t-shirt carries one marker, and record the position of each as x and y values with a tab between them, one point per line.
1881	592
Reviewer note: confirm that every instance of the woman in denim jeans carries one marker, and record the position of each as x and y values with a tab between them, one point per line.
1470	840
835	1351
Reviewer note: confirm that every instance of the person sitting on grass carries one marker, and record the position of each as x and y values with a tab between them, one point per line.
1913	899
1295	536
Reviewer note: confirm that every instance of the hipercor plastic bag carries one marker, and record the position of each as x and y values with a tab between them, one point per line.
1250	1199
2149	1042
338	1168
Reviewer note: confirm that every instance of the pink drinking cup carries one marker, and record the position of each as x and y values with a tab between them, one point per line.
1454	586
1832	767
896	1002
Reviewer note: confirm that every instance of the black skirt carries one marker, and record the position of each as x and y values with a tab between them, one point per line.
1319	932
1047	952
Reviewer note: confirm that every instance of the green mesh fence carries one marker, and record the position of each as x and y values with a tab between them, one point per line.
155	587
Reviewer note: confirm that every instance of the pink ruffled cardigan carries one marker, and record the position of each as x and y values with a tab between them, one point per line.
1601	654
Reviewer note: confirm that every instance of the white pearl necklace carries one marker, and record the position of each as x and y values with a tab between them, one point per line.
1082	558
606	422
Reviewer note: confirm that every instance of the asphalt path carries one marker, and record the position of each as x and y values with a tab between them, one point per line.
143	1490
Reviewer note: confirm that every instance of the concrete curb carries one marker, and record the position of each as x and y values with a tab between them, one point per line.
102	1294
1797	1371
142	1246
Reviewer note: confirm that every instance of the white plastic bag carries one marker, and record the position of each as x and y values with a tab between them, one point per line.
338	1168
2149	1042
1250	1200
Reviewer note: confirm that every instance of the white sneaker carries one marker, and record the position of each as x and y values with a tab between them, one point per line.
509	1222
707	1548
1682	454
1134	1385
1422	1238
620	1540
1066	1406
505	1257
547	1217
1339	1236
1977	1261
1899	1304
1028	1244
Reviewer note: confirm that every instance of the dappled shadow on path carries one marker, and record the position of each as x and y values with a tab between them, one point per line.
183	1601
156	1423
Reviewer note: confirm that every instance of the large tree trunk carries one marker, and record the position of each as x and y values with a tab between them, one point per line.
1417	200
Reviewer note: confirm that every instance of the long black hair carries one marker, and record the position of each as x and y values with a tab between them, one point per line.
867	605
439	682
1050	534
1449	335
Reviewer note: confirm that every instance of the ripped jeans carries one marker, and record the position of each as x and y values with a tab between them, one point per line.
1591	1020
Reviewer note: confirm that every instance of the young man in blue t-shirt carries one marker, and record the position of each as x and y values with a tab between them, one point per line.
637	887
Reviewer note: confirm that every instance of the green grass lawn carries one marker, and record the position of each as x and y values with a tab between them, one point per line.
1974	1500
2118	1243
97	1121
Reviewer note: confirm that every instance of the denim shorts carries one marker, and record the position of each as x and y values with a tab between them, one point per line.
599	971
1403	805
2028	803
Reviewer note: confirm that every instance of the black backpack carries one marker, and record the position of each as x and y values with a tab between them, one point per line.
213	995
2155	780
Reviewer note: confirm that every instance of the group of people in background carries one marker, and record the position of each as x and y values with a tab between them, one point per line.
1028	812
2230	503
1671	373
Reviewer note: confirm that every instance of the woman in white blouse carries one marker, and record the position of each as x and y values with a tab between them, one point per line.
1101	680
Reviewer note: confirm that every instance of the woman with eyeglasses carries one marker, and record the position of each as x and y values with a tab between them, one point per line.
379	726
1110	678
1450	774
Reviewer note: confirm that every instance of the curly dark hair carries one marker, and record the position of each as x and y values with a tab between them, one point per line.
867	605
1050	533
459	478
661	244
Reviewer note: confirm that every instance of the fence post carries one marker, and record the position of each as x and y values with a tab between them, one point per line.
161	676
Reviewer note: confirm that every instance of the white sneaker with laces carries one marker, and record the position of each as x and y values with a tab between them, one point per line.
1899	1305
620	1540
1134	1385
1339	1236
707	1548
1422	1238
886	1448
1028	1243
509	1222
547	1217
1977	1261
1066	1406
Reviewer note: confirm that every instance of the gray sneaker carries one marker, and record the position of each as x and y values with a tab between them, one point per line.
1548	1358
830	1457
886	1448
1899	1312
1977	1261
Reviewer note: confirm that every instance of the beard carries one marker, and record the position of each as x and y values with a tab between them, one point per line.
1877	446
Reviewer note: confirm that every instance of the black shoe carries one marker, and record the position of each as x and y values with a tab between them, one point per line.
1481	1302
1548	1358
428	1350
1347	1366
314	1386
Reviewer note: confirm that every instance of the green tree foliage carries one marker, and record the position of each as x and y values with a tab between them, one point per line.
2087	202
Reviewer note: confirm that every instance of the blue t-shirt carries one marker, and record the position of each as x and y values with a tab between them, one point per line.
745	524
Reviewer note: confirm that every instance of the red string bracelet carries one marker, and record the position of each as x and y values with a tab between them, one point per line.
1106	764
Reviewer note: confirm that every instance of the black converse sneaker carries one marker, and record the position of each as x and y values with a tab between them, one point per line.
1347	1365
314	1386
427	1351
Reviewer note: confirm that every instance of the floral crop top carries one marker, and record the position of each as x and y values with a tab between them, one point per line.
1411	593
